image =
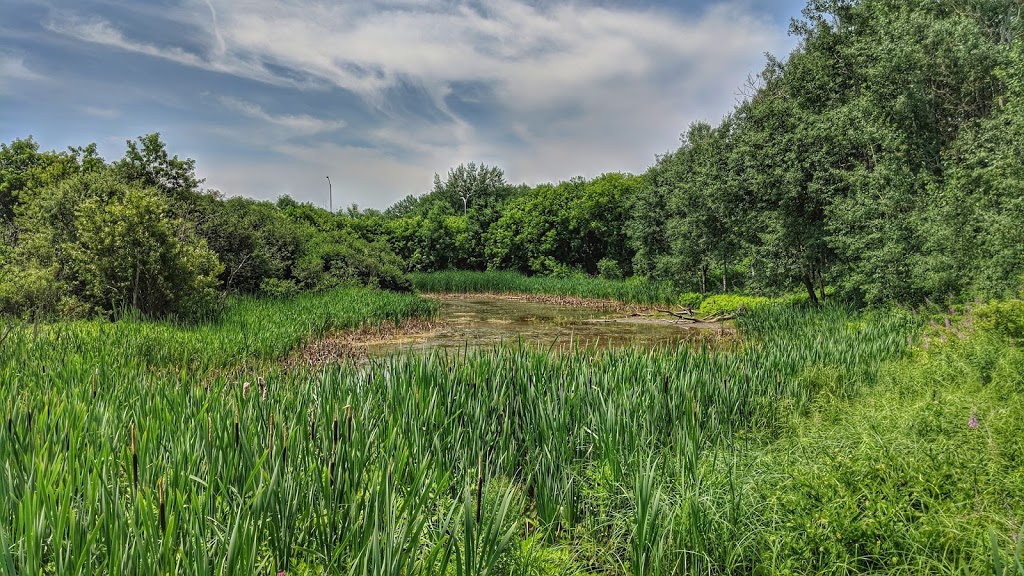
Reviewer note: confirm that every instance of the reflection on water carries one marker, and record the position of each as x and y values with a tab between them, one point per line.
484	321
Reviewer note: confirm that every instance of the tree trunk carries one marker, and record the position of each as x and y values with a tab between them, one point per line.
724	288
809	284
821	286
704	279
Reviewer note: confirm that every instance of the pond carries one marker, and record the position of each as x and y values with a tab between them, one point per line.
482	321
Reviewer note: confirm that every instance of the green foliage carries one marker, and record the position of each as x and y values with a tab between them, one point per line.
919	476
735	303
277	288
1004	318
92	242
633	291
126	252
574	224
690	300
609	269
81	237
144	441
731	304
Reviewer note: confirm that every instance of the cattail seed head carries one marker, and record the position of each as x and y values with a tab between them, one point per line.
163	505
271	440
135	460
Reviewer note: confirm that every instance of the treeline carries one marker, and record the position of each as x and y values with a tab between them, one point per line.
881	162
81	237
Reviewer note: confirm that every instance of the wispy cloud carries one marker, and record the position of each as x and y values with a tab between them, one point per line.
100	31
299	125
108	113
12	69
547	90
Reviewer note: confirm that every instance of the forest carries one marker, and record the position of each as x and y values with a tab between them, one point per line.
882	162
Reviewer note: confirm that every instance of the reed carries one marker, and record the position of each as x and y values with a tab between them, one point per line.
499	461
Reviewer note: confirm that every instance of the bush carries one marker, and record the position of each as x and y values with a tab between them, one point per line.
691	300
731	303
93	243
277	288
1004	318
609	269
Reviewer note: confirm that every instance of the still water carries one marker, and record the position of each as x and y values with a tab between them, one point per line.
485	321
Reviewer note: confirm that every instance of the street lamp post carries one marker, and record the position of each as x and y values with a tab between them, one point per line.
330	195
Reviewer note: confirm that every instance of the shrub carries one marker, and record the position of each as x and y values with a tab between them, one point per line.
278	288
609	269
691	299
731	303
1004	318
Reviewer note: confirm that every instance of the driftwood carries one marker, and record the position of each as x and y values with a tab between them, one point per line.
676	314
689	317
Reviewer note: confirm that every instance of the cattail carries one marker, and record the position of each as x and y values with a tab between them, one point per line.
237	438
263	388
135	461
245	389
479	484
95	375
163	506
271	442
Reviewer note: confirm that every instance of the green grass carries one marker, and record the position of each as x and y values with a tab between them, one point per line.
899	481
251	331
632	291
508	461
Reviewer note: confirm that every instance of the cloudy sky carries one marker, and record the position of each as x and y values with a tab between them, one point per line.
271	96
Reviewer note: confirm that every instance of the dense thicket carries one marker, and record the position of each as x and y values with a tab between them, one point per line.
882	159
881	162
82	236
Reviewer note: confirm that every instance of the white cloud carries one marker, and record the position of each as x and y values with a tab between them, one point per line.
12	70
570	88
299	125
108	113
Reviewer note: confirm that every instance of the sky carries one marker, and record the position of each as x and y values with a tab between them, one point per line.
272	96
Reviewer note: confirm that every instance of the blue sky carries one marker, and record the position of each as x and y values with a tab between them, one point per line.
270	96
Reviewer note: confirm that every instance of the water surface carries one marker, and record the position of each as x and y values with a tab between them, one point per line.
485	321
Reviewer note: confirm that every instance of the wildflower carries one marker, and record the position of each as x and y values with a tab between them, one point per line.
972	422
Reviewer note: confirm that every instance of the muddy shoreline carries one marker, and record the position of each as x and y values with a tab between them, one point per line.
483	319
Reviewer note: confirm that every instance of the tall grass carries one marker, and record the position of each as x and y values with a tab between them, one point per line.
251	330
632	291
486	462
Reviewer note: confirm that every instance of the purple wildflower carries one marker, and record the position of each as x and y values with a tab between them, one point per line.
972	422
